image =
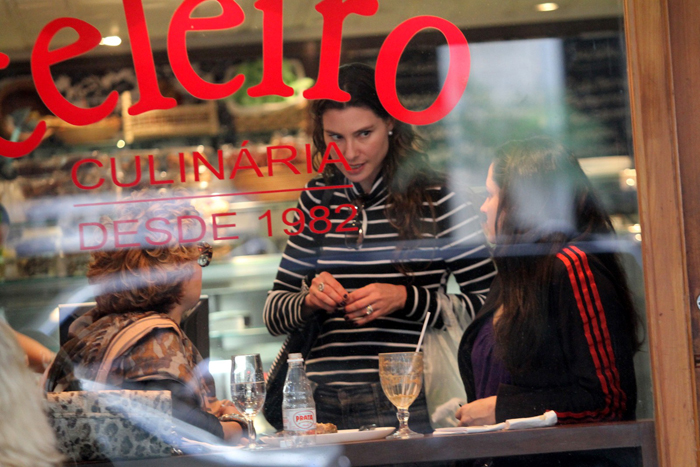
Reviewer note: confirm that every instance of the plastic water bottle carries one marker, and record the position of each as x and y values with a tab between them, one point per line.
298	407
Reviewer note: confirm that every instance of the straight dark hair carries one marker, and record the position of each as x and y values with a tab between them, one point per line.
545	202
406	168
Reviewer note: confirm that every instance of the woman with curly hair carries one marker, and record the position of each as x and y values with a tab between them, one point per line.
372	282
154	275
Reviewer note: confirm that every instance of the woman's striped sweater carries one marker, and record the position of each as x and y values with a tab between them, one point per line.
345	354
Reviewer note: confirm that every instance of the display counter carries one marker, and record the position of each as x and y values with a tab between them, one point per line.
236	288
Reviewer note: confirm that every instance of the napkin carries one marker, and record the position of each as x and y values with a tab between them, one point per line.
191	446
548	418
469	429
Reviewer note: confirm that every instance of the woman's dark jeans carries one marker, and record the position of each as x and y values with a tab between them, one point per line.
354	406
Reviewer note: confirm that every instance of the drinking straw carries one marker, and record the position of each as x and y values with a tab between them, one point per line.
422	333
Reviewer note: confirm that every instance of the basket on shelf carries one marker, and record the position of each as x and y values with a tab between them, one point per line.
270	117
104	130
288	115
183	120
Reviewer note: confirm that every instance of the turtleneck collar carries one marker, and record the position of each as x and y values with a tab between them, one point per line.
377	193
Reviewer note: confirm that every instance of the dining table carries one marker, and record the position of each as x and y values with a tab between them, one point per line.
635	437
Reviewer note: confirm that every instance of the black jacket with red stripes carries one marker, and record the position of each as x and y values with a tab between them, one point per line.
586	372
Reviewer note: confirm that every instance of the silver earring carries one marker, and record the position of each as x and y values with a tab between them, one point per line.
391	132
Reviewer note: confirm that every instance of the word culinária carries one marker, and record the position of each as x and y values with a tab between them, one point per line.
276	156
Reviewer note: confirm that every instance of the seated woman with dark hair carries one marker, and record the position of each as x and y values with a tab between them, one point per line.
160	277
558	329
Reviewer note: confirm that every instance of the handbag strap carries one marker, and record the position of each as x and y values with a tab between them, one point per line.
281	358
127	338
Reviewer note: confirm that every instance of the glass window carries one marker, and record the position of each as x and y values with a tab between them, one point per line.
170	121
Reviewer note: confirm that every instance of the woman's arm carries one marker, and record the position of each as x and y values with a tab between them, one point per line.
596	348
161	361
38	356
187	410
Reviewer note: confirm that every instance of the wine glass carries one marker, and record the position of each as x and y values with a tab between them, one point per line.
248	390
401	374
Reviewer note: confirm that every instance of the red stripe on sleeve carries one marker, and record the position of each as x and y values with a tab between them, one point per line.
591	343
611	395
616	386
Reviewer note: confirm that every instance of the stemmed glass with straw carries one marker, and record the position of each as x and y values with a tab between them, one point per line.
401	375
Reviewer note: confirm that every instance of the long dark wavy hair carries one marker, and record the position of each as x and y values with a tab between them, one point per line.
406	167
545	202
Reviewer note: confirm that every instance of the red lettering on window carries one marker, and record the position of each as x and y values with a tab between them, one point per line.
273	25
455	82
181	232
137	171
271	150
239	166
216	226
152	173
334	13
197	158
150	97
333	147
118	234
81	230
150	228
42	59
182	23
74	174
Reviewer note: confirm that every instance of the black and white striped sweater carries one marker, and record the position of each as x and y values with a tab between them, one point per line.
343	353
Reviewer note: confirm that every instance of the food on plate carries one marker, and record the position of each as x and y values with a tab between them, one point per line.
325	428
321	429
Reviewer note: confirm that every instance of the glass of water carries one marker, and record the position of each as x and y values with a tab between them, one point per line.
248	390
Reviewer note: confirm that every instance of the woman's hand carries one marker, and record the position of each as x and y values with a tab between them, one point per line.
325	293
479	412
230	409
233	432
220	407
37	356
374	300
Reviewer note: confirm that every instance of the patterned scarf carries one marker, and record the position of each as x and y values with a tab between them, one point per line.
161	355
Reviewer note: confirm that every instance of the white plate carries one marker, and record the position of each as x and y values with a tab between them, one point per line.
342	436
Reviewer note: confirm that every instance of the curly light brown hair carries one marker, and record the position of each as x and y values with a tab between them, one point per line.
150	276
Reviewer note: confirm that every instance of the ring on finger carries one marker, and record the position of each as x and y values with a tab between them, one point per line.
320	287
370	310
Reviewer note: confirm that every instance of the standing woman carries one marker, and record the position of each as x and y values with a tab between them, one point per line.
371	288
558	329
